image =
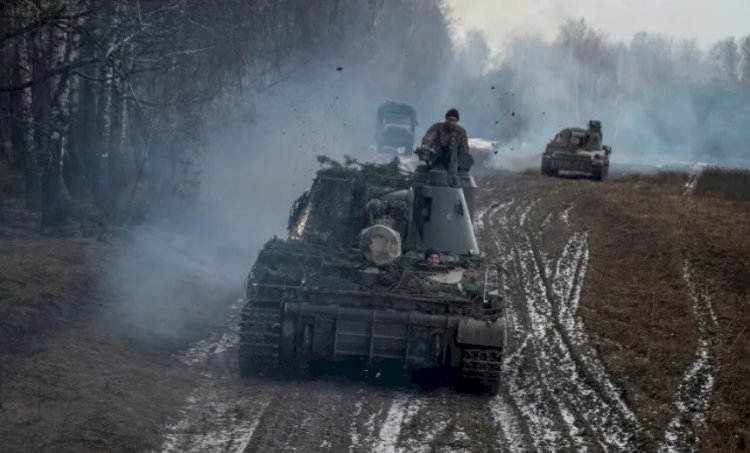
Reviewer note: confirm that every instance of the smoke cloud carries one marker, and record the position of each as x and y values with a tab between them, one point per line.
661	101
180	270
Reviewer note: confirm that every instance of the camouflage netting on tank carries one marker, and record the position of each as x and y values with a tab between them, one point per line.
293	265
334	210
392	213
297	263
373	173
325	223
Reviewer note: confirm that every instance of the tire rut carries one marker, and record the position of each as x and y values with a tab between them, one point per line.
562	292
542	414
692	400
587	409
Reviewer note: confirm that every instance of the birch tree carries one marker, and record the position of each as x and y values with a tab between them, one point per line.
108	98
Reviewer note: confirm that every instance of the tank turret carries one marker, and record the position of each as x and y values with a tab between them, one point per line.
442	217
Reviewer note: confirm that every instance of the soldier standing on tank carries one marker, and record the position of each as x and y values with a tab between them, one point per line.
443	143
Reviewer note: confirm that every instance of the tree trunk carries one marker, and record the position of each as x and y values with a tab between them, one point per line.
25	72
116	176
103	195
73	168
54	192
52	201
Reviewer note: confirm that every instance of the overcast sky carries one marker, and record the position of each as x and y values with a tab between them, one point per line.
703	20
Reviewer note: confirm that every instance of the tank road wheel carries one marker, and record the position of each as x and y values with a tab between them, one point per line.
598	172
546	166
259	341
480	369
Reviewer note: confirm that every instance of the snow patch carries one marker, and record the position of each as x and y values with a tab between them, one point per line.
693	398
505	416
353	434
391	427
232	432
690	185
547	221
207	421
567	395
565	215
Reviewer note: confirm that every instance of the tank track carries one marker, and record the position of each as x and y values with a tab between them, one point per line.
260	330
480	368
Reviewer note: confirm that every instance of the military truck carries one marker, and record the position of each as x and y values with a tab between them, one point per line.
351	283
577	151
394	128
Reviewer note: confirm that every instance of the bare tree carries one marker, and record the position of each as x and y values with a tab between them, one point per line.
745	61
106	98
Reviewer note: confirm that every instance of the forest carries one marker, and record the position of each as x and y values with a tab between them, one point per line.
150	151
107	102
654	94
108	108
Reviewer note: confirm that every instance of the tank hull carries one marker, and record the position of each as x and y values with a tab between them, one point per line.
340	289
416	333
585	163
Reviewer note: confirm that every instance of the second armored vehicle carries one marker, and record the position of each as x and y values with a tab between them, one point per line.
352	282
578	151
394	127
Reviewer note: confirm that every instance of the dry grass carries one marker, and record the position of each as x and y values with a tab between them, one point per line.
72	389
43	281
72	379
85	391
718	234
635	300
728	183
672	182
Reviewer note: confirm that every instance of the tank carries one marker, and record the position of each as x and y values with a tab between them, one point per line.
352	283
577	151
394	128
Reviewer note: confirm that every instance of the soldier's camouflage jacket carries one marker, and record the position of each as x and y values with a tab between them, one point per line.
444	138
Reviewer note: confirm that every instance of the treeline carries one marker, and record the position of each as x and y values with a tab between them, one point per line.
104	101
653	93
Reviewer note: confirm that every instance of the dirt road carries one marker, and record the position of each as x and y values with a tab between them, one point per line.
557	396
626	308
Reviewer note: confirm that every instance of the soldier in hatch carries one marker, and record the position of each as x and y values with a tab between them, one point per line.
443	143
594	136
432	258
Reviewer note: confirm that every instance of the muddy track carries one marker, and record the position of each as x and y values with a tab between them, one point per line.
580	401
582	404
227	413
693	397
557	394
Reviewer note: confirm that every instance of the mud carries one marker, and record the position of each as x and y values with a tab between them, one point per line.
557	394
563	390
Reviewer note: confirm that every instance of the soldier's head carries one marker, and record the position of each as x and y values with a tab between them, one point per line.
431	257
451	118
